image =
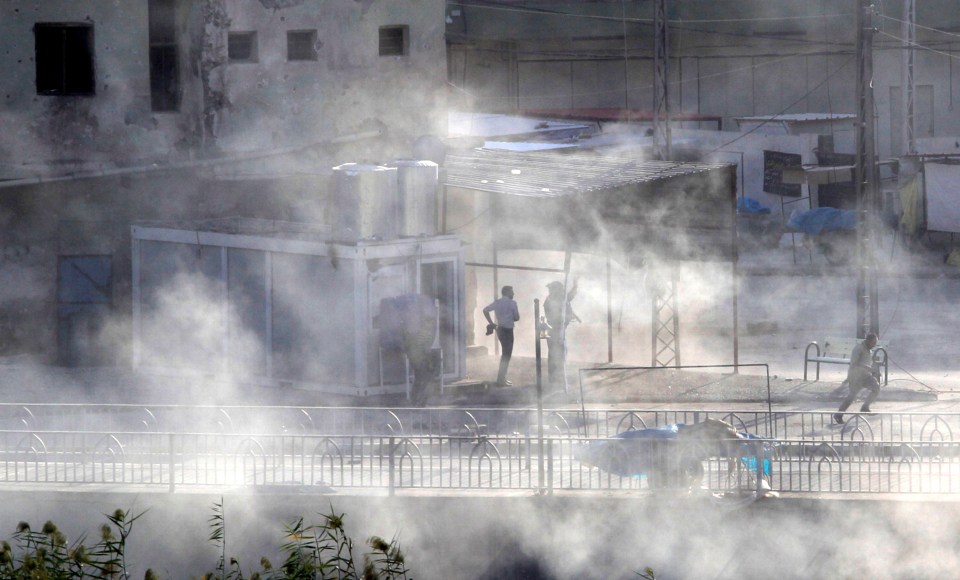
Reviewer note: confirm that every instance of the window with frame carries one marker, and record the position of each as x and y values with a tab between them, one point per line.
242	46
164	57
64	58
301	45
394	40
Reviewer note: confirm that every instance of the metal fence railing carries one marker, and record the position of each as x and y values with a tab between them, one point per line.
565	422
390	463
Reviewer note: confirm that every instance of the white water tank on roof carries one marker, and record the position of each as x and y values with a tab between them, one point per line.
417	184
364	202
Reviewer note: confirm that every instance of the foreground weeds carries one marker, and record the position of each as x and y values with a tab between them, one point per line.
46	554
314	551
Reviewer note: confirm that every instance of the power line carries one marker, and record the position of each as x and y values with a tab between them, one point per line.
680	27
920	46
543	11
677	83
606	54
681	24
937	30
772	118
785	109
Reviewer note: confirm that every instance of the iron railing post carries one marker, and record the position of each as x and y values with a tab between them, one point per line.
172	463
758	453
392	473
550	467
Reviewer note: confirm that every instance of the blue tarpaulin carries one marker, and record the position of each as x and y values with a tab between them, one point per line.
750	205
823	219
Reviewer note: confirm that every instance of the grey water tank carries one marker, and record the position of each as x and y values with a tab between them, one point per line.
417	183
364	202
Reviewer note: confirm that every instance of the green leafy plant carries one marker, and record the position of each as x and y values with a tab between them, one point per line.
647	574
313	551
47	555
321	551
226	569
385	562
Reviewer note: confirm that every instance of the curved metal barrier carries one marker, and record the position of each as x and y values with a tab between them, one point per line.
436	462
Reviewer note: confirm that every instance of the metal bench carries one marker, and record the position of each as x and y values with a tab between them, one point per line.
837	351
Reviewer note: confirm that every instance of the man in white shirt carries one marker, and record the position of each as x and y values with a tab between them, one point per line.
507	313
860	376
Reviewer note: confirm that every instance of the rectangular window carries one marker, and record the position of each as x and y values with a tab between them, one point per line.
64	57
242	46
164	57
301	45
393	40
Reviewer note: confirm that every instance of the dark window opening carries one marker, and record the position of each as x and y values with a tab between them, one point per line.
301	45
164	57
393	40
242	46
164	78
64	55
84	306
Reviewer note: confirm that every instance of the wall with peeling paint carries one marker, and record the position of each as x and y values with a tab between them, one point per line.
111	126
226	106
349	89
250	139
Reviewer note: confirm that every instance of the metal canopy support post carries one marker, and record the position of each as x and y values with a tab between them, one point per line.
539	359
609	314
567	258
735	279
495	219
661	106
867	177
444	199
666	324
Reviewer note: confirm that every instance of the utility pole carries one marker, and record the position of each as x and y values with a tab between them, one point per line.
906	76
867	177
661	107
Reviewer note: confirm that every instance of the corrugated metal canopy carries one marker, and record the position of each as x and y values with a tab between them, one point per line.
799	117
552	174
601	201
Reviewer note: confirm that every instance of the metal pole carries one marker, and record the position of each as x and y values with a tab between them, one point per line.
655	323
496	287
758	453
609	315
866	174
626	61
444	200
563	318
906	76
514	267
736	281
676	318
661	81
550	471
392	485
537	354
769	400
173	484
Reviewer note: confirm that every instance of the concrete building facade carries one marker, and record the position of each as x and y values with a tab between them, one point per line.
726	58
115	113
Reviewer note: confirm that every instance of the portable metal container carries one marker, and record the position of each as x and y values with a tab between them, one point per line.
276	303
365	202
417	183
